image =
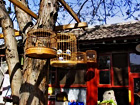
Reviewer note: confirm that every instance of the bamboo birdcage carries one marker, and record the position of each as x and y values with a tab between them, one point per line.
41	43
66	50
81	58
91	56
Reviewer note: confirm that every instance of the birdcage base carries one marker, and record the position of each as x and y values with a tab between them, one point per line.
41	53
81	62
91	61
68	63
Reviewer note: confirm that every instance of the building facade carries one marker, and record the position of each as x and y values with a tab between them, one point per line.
117	69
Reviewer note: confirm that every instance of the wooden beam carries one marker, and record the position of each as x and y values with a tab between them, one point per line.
58	28
71	26
68	8
24	8
17	33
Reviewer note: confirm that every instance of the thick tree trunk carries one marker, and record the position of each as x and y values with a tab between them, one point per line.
11	52
34	86
23	20
35	80
47	14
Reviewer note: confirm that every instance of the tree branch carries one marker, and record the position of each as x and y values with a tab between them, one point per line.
80	9
22	17
104	10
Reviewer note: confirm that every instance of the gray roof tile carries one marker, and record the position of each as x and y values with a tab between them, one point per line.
109	31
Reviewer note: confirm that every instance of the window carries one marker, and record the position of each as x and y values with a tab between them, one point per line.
120	69
104	77
136	91
104	62
137	85
104	67
134	63
113	69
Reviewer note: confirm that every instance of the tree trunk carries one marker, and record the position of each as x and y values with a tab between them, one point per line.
34	90
11	52
23	20
47	14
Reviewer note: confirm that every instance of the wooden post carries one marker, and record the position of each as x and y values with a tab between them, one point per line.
92	89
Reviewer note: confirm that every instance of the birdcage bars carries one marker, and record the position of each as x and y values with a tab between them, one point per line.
41	43
66	50
91	56
81	58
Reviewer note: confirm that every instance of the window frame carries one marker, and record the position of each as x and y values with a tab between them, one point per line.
98	81
111	85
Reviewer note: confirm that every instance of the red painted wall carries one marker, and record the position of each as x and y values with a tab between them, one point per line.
92	89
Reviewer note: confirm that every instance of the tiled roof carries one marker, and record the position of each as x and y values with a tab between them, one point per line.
109	31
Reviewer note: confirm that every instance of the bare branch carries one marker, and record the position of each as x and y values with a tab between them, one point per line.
104	10
80	9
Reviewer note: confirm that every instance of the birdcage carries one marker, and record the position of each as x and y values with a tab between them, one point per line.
66	50
41	43
91	56
81	58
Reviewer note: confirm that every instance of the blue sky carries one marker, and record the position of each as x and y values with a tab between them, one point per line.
110	20
119	17
134	59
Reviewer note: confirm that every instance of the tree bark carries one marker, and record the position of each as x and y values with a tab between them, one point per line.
34	90
11	52
34	86
23	18
47	14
